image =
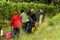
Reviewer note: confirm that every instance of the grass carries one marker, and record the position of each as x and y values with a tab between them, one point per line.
42	33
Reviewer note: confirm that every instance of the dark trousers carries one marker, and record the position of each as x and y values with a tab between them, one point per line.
16	32
29	28
30	25
25	25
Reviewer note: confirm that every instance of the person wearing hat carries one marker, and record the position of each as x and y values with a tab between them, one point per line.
16	22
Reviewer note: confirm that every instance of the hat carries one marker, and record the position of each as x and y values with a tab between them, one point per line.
15	13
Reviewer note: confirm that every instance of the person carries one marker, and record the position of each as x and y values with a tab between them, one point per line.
25	20
33	16
16	22
41	16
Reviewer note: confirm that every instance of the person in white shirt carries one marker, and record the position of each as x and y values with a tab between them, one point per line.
41	16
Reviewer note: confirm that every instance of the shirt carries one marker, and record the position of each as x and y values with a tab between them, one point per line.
33	16
24	17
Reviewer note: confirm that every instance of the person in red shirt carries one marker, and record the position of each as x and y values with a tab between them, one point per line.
16	22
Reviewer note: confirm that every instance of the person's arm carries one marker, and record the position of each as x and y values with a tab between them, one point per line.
20	19
20	22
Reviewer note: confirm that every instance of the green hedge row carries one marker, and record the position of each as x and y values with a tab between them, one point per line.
7	9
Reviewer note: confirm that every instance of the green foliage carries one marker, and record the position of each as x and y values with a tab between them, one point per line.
8	8
57	1
56	19
36	1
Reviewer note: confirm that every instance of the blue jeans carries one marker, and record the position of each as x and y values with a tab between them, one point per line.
29	28
16	32
30	25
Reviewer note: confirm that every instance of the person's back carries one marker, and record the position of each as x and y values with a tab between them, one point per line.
24	17
41	12
16	22
33	16
16	18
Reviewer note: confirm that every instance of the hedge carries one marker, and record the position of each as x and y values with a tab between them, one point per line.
7	9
